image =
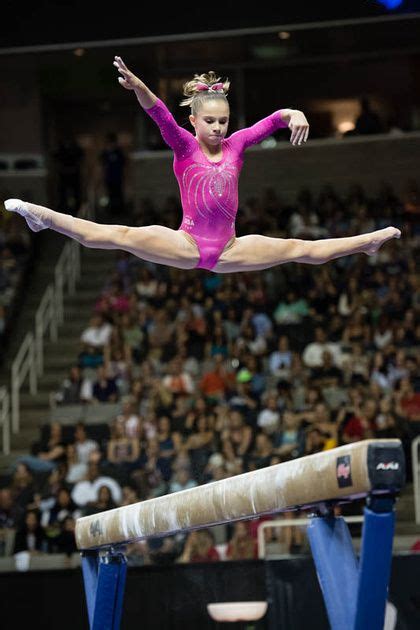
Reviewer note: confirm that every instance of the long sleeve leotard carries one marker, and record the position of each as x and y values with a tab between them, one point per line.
209	190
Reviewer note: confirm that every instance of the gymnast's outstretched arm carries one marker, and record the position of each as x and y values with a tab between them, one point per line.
292	118
179	139
145	97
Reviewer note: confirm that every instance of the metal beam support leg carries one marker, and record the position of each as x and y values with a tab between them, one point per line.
104	579
355	595
336	566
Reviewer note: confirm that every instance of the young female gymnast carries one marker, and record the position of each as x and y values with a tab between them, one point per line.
207	166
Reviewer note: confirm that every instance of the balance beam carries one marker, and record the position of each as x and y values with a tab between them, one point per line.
349	472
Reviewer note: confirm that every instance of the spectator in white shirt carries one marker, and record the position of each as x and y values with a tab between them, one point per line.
280	361
86	491
97	335
313	353
82	444
269	418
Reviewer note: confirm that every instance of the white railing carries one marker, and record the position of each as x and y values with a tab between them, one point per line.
290	522
415	444
23	365
29	360
4	419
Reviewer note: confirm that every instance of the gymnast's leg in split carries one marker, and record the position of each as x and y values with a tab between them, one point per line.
162	245
255	252
153	243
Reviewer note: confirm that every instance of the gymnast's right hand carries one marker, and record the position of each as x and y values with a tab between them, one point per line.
128	79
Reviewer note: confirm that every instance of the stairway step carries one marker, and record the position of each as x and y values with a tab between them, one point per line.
34	401
24	439
59	362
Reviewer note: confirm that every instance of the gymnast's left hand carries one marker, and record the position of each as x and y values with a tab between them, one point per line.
299	126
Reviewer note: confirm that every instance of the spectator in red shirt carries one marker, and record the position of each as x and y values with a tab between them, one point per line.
215	383
199	548
242	546
408	401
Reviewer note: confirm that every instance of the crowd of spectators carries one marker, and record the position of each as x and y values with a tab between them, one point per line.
216	375
15	253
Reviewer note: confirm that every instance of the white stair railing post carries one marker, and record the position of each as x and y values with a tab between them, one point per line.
5	419
415	444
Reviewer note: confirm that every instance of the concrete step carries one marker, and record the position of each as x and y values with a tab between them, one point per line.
407	527
59	362
34	417
64	344
37	401
23	440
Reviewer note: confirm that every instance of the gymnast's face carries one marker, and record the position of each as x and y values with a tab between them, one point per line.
211	121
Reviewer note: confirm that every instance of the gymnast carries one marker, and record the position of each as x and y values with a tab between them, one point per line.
207	166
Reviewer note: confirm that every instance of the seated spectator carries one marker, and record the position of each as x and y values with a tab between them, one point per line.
315	441
129	495
30	536
242	546
327	374
54	513
268	418
215	468
250	342
218	342
76	470
356	366
103	501
146	285
289	441
113	301
262	453
93	340
181	480
129	418
117	364
238	434
154	473
384	334
357	330
134	338
280	361
215	383
352	425
242	398
47	454
65	542
75	389
122	452
322	419
165	438
313	352
105	389
199	445
83	445
199	547
11	515
408	400
97	335
292	310
177	381
85	491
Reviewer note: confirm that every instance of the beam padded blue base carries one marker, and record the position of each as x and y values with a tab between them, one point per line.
104	578
355	593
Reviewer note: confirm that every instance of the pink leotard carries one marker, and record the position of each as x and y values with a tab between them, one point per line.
209	190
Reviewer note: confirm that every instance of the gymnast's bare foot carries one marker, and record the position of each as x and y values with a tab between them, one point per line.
33	214
378	238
